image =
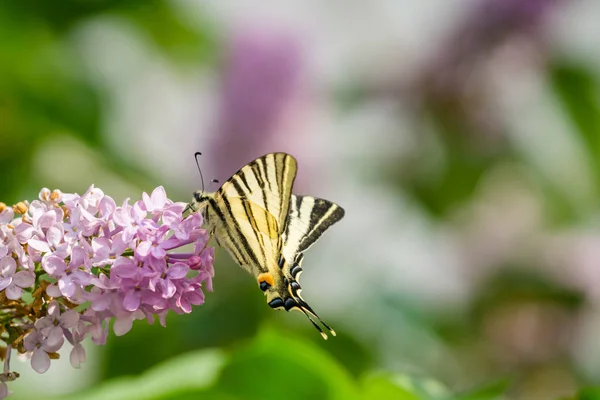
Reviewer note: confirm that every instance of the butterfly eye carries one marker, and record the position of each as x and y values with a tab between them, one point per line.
276	303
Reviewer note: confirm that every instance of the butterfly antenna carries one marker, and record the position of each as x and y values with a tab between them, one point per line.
196	156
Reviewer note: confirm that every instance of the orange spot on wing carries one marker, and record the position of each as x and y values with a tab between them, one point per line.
266	277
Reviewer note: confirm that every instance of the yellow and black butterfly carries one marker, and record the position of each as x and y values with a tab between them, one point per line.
266	228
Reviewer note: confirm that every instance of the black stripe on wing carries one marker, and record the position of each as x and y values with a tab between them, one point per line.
235	234
266	181
323	215
308	219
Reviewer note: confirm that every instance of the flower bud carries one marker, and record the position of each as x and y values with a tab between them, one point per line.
195	262
20	208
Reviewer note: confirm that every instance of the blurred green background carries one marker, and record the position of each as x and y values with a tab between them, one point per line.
461	136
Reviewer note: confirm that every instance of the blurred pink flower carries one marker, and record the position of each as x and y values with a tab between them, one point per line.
261	76
459	83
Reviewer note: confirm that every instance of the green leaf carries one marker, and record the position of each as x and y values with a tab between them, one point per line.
578	90
382	386
276	367
191	372
173	32
492	391
591	393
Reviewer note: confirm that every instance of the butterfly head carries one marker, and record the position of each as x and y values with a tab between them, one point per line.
283	292
200	201
201	197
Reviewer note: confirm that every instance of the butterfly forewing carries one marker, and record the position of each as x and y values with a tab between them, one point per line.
265	186
266	181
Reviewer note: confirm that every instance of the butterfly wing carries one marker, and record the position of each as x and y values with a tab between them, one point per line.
249	211
265	228
308	219
267	182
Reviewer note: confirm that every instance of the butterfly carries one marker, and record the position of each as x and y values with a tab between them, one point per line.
266	229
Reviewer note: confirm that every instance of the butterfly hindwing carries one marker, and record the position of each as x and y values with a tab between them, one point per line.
308	219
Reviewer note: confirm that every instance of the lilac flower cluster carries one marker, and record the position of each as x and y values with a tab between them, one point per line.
69	264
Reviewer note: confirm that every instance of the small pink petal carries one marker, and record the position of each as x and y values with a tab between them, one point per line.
149	317
155	201
24	232
107	206
78	257
132	301
159	196
184	304
99	333
153	283
178	271
177	208
40	361
208	283
66	286
144	248
55	339
158	252
162	318
129	233
54	265
53	291
77	356
43	323
31	340
122	325
8	266
196	297
55	234
101	302
69	319
170	218
154	299
24	279
54	309
13	292
121	217
126	270
81	278
137	211
100	244
38	245
169	289
47	219
4	282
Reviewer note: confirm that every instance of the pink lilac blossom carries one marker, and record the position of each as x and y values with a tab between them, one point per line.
261	86
83	261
